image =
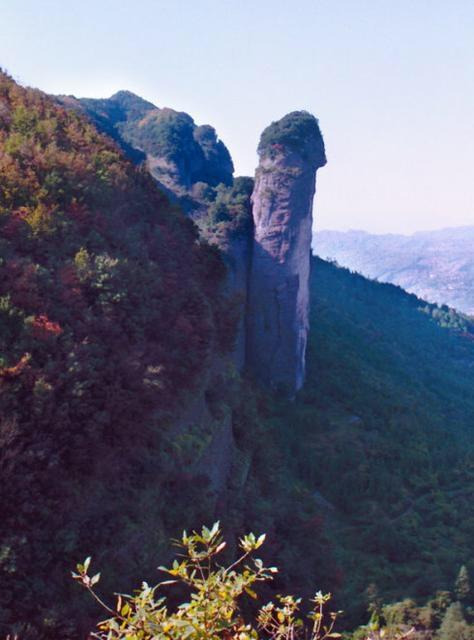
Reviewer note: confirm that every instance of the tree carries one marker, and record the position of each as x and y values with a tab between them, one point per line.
462	586
454	625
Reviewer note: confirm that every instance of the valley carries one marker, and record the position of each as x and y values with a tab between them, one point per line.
438	266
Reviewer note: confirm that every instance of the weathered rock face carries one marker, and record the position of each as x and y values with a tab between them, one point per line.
290	150
268	267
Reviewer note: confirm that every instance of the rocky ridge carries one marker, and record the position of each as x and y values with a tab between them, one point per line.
265	240
179	154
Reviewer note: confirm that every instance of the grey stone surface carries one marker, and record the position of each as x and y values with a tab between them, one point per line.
278	300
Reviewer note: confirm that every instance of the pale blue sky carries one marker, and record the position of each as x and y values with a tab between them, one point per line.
392	82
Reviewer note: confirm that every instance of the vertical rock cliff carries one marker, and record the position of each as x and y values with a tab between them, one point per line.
290	150
268	270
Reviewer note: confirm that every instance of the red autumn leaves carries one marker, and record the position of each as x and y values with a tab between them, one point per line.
43	328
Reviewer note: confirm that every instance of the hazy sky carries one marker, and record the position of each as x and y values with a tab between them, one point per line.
391	81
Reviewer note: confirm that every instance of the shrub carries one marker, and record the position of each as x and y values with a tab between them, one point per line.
213	609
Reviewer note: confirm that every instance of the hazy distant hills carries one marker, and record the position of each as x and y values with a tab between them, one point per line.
435	265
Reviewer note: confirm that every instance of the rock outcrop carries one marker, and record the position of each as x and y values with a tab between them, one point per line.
290	151
179	154
267	261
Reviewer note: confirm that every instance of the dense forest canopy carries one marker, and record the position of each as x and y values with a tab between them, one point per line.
109	313
383	432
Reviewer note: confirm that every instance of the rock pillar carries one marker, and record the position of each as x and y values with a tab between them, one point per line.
290	152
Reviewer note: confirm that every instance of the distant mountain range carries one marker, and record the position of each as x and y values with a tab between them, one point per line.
435	265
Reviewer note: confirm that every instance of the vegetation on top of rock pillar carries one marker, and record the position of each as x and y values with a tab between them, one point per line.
298	131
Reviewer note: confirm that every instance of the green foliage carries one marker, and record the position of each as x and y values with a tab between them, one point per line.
381	436
213	609
169	133
188	154
450	318
454	625
440	618
228	214
462	588
298	131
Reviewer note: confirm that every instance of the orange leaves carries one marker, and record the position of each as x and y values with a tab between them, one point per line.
9	373
43	328
90	241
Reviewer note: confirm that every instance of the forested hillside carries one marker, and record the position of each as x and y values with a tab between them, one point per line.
110	314
383	435
123	418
